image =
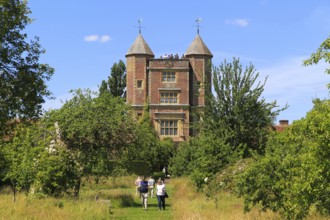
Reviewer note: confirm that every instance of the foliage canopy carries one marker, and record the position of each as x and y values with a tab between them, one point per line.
116	83
22	76
294	173
322	53
235	123
237	112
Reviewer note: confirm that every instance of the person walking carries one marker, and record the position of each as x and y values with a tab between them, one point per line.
161	192
151	184
144	193
137	185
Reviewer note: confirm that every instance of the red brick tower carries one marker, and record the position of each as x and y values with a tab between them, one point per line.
200	76
173	86
137	61
200	71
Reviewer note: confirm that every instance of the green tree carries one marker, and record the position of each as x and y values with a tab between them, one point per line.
116	84
147	147
237	111
21	154
322	53
96	129
37	162
294	173
57	171
4	163
202	157
22	76
235	123
104	87
180	162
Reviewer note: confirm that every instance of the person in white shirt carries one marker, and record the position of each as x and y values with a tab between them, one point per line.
151	184
161	192
137	185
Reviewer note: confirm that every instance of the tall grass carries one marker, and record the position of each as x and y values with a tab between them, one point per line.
50	208
119	193
191	205
184	204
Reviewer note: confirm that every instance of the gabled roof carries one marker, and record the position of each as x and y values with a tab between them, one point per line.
198	47
140	47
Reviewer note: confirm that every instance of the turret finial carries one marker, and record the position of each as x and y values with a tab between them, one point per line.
198	20
140	21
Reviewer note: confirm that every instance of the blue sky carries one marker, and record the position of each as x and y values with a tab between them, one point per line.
84	38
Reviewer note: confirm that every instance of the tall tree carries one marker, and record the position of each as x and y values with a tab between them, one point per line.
22	76
322	53
104	87
237	111
116	84
236	122
117	80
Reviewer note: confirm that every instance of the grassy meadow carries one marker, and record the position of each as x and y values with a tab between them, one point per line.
117	200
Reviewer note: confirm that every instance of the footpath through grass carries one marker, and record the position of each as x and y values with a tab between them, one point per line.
129	207
117	200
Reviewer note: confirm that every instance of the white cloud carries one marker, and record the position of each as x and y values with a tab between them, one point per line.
238	22
91	38
289	82
105	38
94	38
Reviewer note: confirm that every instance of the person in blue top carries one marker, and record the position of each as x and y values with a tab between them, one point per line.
143	188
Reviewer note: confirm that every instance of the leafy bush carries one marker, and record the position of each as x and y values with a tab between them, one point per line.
294	174
22	152
57	173
202	157
139	167
158	175
179	163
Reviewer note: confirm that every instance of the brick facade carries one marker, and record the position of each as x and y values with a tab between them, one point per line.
172	86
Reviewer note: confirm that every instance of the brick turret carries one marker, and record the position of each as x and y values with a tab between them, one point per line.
200	74
137	60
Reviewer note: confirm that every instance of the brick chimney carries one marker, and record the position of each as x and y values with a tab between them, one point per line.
281	126
284	122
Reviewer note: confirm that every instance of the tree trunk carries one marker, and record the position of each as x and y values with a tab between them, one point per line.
77	188
14	187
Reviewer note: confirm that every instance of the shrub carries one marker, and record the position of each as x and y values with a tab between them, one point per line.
139	167
57	173
294	173
158	175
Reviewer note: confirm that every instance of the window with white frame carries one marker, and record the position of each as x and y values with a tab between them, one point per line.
169	97
168	77
168	128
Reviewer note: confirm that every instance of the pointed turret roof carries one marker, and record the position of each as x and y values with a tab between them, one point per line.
140	46
198	47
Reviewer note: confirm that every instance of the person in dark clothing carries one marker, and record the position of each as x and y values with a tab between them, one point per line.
143	188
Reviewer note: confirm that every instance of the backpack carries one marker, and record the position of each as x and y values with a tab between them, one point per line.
143	187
